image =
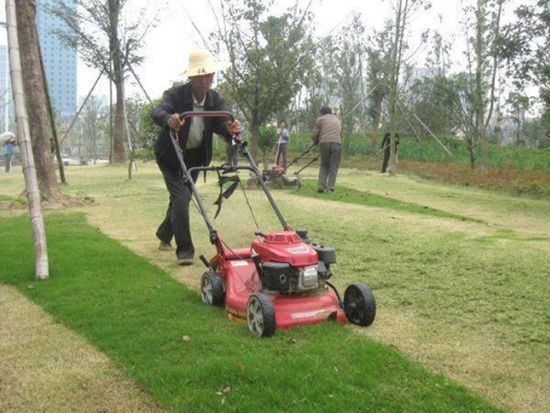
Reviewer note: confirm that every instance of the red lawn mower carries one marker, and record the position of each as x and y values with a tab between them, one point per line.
276	177
281	279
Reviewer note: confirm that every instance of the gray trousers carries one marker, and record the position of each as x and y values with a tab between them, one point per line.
330	162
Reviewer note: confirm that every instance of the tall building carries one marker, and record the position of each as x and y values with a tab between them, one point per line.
59	60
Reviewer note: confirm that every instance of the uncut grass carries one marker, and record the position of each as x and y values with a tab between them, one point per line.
520	213
137	314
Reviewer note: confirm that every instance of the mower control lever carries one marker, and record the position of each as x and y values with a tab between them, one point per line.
259	233
205	262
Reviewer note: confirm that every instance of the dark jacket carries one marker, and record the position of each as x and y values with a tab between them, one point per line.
177	100
385	145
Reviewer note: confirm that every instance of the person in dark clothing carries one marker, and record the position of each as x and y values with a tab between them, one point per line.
195	140
385	146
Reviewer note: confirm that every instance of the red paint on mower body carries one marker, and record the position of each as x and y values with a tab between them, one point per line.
241	279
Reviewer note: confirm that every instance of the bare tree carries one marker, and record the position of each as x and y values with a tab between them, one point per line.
36	99
31	184
109	40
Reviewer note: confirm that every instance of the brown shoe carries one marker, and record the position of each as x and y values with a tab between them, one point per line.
165	246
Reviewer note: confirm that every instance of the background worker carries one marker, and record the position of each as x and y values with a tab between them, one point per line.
327	132
282	143
8	149
385	146
195	140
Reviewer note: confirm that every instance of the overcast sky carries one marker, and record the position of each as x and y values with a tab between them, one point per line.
167	46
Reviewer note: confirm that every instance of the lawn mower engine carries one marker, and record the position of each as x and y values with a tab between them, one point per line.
288	263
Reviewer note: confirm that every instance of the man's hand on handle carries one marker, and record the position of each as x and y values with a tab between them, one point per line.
234	127
175	122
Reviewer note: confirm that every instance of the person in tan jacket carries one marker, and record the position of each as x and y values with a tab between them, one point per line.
327	132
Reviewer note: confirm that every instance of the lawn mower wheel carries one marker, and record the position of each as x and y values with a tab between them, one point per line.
359	304
260	315
212	289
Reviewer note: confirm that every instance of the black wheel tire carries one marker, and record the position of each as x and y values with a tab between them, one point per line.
359	304
212	289
260	315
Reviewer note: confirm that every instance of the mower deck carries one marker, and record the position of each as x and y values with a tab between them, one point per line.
290	309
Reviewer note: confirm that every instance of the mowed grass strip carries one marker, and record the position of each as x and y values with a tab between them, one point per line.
136	314
353	196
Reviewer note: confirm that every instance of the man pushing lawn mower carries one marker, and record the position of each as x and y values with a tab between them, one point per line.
195	140
278	281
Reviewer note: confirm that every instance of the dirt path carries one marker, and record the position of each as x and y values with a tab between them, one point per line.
48	368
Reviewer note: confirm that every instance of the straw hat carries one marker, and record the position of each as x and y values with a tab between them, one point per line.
201	63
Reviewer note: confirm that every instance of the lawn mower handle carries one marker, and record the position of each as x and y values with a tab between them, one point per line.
236	140
207	114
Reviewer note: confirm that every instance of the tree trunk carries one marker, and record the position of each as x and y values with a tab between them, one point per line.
29	170
395	69
119	132
36	100
471	152
375	127
479	92
255	135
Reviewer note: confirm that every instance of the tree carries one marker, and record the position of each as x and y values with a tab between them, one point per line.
435	99
518	104
482	30
109	40
29	170
312	97
36	99
345	53
378	76
525	45
268	137
93	127
403	11
269	56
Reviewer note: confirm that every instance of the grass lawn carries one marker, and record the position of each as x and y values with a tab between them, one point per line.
136	314
460	276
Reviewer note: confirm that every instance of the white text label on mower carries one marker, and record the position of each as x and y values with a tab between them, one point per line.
297	316
298	250
239	263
